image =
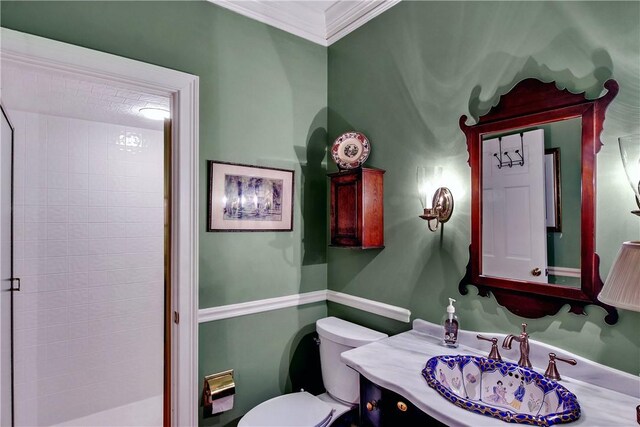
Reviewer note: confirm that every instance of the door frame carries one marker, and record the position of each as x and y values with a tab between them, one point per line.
182	88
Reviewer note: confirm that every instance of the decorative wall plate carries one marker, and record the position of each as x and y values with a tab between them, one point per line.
350	150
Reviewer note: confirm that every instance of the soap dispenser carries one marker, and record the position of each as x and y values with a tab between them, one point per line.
450	326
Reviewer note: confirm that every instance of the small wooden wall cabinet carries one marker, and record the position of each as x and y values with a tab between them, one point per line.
357	208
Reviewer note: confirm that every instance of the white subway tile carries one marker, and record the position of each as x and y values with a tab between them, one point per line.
78	247
57	197
53	282
78	164
35	196
117	214
98	231
116	246
97	198
56	265
97	214
58	214
78	280
35	231
115	229
98	278
97	182
117	198
78	230
78	264
79	181
56	248
58	163
78	214
98	246
78	198
57	180
35	214
57	231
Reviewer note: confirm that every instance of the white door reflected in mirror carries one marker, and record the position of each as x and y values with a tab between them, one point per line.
514	234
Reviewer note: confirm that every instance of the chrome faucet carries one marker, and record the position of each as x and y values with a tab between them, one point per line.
523	339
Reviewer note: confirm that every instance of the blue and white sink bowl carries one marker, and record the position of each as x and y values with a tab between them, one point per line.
501	390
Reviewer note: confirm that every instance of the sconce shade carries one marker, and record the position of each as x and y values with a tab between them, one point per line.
622	288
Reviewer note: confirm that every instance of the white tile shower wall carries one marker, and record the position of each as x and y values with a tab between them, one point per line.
89	248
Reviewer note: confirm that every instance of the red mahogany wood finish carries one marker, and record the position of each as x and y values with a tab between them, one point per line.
357	208
532	102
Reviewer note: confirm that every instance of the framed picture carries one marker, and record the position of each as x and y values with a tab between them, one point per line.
553	189
249	198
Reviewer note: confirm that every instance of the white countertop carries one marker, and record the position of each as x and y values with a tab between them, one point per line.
396	363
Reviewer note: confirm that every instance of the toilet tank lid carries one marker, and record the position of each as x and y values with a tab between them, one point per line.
346	333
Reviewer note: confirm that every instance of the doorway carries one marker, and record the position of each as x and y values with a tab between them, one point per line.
94	340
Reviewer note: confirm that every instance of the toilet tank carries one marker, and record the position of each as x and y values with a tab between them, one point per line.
337	336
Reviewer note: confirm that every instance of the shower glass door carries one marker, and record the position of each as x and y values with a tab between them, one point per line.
88	220
6	272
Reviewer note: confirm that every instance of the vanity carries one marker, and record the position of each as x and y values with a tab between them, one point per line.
393	392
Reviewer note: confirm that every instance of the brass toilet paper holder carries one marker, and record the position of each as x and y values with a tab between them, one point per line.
216	386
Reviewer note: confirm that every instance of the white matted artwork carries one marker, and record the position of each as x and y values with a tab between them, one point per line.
249	198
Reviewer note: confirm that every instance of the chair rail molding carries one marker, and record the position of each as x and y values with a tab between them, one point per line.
182	88
277	303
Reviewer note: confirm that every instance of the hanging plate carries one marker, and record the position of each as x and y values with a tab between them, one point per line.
350	150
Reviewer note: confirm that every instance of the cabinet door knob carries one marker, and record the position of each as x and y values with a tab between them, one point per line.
536	272
402	406
372	405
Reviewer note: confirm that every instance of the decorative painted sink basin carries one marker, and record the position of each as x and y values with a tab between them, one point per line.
501	390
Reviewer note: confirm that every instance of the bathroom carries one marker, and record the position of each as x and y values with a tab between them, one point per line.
271	98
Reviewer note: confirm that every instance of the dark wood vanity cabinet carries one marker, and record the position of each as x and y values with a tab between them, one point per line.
380	407
357	208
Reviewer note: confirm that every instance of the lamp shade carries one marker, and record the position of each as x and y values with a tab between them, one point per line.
622	288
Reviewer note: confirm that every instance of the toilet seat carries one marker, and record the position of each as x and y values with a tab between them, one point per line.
294	410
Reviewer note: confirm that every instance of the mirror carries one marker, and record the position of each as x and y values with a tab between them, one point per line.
530	176
533	163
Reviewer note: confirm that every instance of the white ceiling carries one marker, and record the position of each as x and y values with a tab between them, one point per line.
29	88
321	21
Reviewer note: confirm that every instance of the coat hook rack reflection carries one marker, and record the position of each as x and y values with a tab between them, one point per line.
511	162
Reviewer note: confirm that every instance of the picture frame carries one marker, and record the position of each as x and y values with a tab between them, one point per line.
249	198
553	190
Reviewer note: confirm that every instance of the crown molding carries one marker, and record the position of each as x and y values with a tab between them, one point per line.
346	16
322	27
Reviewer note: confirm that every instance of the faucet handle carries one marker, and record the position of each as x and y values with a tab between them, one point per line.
552	370
493	354
524	329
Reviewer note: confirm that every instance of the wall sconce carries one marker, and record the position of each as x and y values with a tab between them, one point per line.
630	153
440	207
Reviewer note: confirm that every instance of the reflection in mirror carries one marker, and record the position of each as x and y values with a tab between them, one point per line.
531	203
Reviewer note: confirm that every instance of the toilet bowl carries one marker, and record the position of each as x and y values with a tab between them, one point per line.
303	409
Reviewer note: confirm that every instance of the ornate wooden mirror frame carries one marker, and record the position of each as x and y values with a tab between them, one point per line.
530	103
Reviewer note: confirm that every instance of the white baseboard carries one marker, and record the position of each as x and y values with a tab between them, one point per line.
268	304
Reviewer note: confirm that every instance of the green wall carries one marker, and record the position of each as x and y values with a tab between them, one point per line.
263	100
561	246
406	77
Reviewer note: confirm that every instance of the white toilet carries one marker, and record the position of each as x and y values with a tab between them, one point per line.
304	409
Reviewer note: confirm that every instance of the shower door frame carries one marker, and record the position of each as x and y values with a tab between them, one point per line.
182	89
